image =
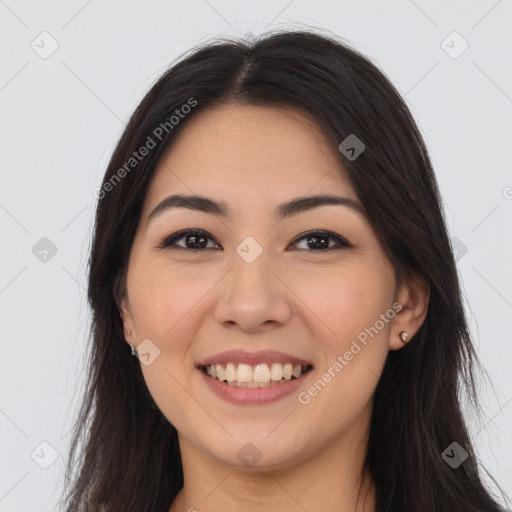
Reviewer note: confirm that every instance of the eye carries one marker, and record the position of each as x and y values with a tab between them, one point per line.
197	240
318	241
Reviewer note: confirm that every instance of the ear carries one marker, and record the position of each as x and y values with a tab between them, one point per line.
126	317
413	295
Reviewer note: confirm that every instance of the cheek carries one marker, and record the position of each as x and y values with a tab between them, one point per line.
162	296
354	320
347	301
163	303
165	300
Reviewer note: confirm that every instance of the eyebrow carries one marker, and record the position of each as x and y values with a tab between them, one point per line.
288	209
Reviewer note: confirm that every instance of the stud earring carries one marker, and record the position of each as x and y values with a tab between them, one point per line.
403	337
129	333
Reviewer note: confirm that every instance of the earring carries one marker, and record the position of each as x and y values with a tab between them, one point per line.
134	350
403	337
129	333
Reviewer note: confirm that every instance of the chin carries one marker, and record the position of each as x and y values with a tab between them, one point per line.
256	451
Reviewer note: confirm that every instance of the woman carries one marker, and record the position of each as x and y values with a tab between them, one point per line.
270	245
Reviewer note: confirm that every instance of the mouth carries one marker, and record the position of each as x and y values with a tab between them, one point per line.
262	375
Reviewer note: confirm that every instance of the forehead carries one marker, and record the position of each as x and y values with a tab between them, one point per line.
249	154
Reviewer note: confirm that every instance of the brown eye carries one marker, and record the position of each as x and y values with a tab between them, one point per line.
195	240
319	241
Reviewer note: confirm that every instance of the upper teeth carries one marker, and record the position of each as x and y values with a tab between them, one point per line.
258	373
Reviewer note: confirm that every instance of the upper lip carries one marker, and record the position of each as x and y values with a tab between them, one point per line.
253	358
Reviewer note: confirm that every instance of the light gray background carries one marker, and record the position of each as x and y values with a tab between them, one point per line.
62	115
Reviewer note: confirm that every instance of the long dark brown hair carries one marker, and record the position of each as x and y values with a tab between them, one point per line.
124	453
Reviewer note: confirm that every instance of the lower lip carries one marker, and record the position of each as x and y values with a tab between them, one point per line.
267	395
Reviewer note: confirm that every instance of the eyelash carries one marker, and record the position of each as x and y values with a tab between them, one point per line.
168	242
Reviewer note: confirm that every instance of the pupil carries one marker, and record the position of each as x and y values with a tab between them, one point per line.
318	245
194	239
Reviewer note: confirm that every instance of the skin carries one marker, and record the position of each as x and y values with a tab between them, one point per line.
304	302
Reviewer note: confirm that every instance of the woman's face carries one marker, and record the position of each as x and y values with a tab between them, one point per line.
257	287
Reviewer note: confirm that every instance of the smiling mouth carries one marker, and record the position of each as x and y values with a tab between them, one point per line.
254	376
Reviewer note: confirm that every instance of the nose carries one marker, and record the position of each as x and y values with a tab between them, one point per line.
253	297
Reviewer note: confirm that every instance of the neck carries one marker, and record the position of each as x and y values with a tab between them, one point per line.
329	481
